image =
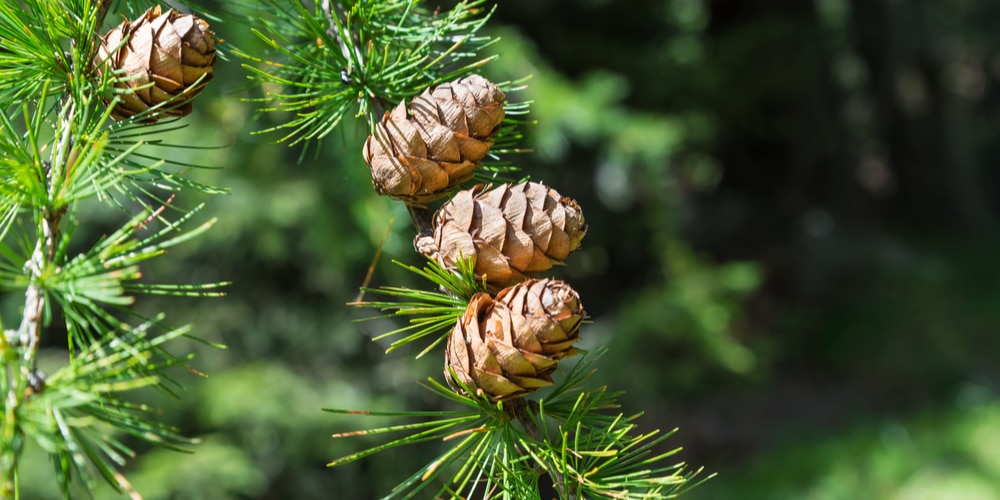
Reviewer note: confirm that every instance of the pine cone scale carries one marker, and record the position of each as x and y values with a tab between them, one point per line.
490	261
489	226
519	249
511	359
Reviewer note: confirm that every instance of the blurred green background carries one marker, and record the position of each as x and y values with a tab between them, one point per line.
793	210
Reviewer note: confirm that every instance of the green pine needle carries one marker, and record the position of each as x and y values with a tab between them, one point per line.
368	56
59	147
430	312
32	55
487	453
93	284
71	414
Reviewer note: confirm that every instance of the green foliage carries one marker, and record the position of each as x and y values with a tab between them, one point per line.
697	311
369	54
76	413
502	451
60	156
435	312
36	51
947	454
327	57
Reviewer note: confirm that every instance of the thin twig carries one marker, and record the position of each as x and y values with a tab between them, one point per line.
34	305
102	11
30	331
421	218
334	11
156	213
371	267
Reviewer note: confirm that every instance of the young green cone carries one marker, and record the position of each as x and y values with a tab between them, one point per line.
508	347
420	150
164	56
511	231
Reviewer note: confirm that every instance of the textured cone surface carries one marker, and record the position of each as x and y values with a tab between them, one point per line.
164	56
418	151
545	316
510	346
511	231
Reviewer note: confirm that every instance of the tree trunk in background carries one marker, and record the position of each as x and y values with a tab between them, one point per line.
913	115
829	127
874	43
952	159
789	172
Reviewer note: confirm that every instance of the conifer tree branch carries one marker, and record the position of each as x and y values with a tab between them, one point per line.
518	409
29	333
388	52
63	156
44	252
331	9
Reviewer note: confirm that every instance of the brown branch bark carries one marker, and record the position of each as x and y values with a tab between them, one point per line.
25	380
422	219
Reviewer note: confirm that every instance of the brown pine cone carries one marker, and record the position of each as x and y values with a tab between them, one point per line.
173	51
510	231
508	347
419	151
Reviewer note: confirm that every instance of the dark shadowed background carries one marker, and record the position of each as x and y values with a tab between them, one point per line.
792	255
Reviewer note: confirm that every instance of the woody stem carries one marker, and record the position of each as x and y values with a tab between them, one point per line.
421	217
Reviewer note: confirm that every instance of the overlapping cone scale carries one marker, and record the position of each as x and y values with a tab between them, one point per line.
421	149
545	316
511	232
509	346
159	57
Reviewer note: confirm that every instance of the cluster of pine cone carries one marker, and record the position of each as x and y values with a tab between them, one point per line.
507	345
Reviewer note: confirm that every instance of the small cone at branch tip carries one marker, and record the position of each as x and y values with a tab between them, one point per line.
161	58
511	232
421	149
507	347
